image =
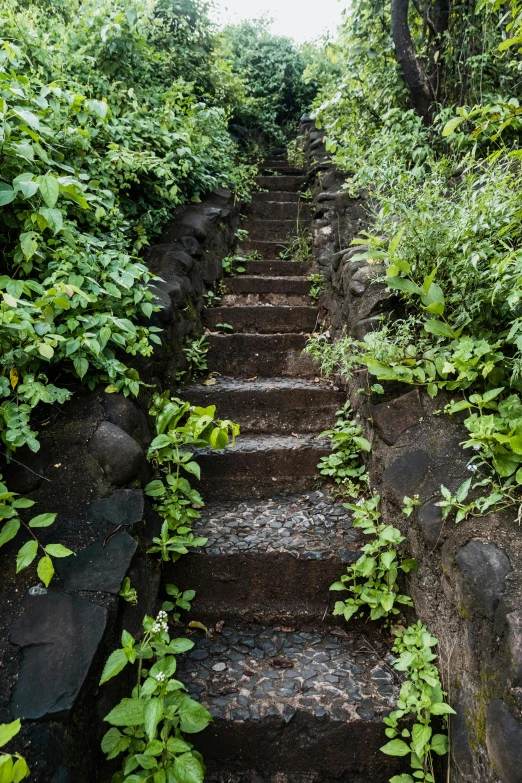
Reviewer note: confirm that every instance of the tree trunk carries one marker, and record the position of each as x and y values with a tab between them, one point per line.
415	76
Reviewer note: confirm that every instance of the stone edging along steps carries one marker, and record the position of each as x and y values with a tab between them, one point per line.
293	694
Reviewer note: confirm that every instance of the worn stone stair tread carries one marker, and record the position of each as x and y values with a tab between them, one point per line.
274	229
267	355
287	184
275	195
276	267
264	284
280	210
263	318
292	701
283	405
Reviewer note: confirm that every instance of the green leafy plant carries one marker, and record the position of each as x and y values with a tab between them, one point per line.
10	506
181	429
150	726
233	265
241	234
343	464
422	697
13	767
372	579
298	247
318	286
224	327
127	592
196	355
180	599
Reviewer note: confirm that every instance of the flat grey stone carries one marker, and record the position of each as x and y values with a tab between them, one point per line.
122	507
406	474
60	635
119	456
484	567
393	418
98	568
504	742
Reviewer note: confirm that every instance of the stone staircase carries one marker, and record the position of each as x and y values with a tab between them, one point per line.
294	696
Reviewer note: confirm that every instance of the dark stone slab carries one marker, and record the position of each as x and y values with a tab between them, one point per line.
460	749
484	567
60	634
393	418
121	412
429	517
97	567
117	453
504	742
122	507
404	475
514	620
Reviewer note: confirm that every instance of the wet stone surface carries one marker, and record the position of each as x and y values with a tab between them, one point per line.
270	443
249	673
311	526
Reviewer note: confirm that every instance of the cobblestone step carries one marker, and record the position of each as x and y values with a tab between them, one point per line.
263	319
271	405
292	702
261	355
286	184
269	561
280	210
272	230
261	466
276	267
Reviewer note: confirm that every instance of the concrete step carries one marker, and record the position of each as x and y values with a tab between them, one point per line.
280	210
270	230
287	184
275	195
263	355
279	556
277	268
261	466
290	703
271	405
263	319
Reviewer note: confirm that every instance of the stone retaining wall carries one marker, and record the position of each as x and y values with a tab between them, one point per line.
90	470
469	584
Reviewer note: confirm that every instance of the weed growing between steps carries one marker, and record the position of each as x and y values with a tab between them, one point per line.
372	582
13	768
318	286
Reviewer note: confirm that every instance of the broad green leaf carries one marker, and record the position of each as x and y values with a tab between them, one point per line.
177	745
7	194
42	520
45	570
28	244
439	328
26	555
439	744
58	550
20	770
50	190
53	217
114	743
420	736
402	779
152	716
9	531
6	769
115	663
25	184
193	716
81	365
8	731
403	284
188	769
452	125
129	712
44	349
396	748
441	708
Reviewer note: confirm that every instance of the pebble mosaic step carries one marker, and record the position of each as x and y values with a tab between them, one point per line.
282	405
263	355
260	466
279	556
263	319
290	701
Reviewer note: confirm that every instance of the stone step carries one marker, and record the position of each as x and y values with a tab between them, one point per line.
263	355
261	466
262	319
255	300
278	268
290	703
279	556
280	167
271	230
270	405
263	248
282	183
280	210
275	195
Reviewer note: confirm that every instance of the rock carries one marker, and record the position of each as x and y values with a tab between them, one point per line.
406	474
122	507
484	567
97	567
166	308
356	288
197	223
121	412
460	749
504	742
391	419
26	474
117	453
367	325
514	620
191	246
166	261
60	634
429	517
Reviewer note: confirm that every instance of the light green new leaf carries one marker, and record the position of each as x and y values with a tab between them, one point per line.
439	328
42	520
441	708
8	731
420	736
50	190
20	770
396	748
115	663
28	244
44	349
45	570
26	555
439	744
58	550
9	531
452	125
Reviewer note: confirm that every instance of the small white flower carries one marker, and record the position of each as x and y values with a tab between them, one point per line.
164	626
360	502
473	468
160	677
476	447
155	628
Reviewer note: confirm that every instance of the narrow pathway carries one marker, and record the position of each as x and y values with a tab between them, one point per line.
294	695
